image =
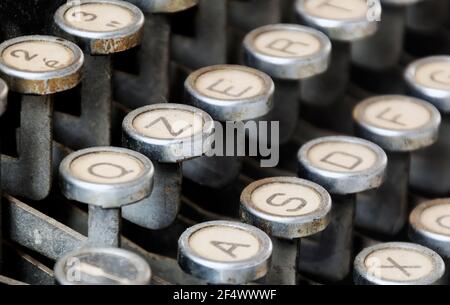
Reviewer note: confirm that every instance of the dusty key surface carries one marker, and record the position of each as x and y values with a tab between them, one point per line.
430	225
102	26
287	51
398	123
168	132
106	176
286	207
398	264
343	165
230	92
102	266
344	20
224	252
40	64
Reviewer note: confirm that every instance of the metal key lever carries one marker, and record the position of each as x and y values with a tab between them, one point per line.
400	125
106	178
224	252
168	134
429	79
152	81
36	67
398	263
344	166
3	104
102	266
38	232
383	50
288	209
344	22
102	28
205	48
429	225
289	54
232	95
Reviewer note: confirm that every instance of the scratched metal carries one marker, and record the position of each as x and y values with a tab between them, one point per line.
30	175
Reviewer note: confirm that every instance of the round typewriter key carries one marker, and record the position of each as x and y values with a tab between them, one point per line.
3	96
344	22
230	92
344	166
429	225
286	208
168	134
102	26
224	252
106	178
164	6
288	53
398	263
400	125
429	79
40	65
102	266
383	50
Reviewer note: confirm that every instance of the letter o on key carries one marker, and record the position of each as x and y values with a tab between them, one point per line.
40	65
398	263
224	252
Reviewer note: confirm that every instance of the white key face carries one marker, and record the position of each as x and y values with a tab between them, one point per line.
286	199
224	244
107	167
396	114
98	17
397	264
287	43
436	219
435	75
230	84
345	157
38	56
337	9
168	123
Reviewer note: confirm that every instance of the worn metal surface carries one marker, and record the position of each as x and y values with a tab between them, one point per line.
160	209
93	126
30	175
283	270
327	256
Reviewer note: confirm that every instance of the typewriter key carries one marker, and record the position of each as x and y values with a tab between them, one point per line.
168	134
344	166
36	67
400	125
102	266
224	252
288	53
384	49
398	263
106	178
344	22
101	28
230	94
429	79
430	226
286	208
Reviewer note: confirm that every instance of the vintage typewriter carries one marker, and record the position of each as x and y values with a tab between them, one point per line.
328	121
